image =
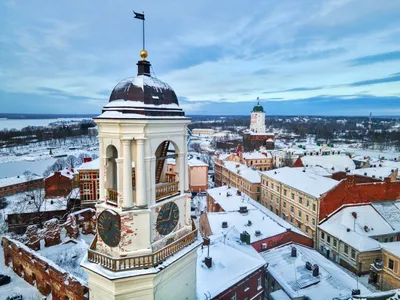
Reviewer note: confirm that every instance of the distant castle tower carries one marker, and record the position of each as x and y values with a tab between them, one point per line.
257	122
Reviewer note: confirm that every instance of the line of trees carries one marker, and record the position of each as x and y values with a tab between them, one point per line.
70	161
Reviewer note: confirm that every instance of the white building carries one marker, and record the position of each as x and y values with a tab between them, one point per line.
145	247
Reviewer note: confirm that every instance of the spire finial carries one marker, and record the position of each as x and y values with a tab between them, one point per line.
258	100
143	53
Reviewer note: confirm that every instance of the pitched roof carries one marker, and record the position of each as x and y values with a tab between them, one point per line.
332	163
308	183
18	179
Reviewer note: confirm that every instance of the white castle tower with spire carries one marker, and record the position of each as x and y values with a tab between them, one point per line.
257	122
145	246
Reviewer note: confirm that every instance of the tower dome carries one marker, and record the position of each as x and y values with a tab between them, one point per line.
258	108
144	95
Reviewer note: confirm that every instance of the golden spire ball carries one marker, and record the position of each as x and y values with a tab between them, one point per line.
143	54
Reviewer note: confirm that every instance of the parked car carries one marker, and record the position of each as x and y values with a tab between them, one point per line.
4	279
15	297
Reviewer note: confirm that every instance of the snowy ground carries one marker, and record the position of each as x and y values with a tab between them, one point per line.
19	124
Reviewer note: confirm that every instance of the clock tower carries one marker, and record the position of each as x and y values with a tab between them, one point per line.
145	246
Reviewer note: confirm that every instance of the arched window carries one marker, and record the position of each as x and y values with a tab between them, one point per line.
112	173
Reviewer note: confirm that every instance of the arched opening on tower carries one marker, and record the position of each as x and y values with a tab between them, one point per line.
167	170
111	173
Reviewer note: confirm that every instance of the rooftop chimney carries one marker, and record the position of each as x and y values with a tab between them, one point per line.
87	159
208	262
315	271
293	252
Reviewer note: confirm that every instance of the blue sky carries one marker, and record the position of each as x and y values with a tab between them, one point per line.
322	57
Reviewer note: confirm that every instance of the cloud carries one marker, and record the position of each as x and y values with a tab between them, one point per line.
393	78
377	58
229	55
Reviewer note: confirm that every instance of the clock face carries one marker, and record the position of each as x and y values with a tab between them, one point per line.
109	228
168	218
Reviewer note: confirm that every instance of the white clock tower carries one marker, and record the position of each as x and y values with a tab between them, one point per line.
145	246
257	123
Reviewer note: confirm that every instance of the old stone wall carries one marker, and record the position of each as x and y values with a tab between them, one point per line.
48	278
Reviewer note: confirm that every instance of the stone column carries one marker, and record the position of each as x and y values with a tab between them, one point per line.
102	166
140	174
182	173
127	174
120	196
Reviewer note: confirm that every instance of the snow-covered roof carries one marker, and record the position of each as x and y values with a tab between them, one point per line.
254	155
378	173
317	170
374	154
390	211
93	165
332	163
18	180
293	277
245	172
308	183
393	247
195	162
230	264
223	156
355	225
90	165
261	217
67	172
119	115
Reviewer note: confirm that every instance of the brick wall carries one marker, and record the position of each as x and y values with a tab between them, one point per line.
246	288
350	192
57	185
281	239
21	187
44	274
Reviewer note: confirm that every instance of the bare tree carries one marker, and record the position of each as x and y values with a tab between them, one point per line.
287	160
71	161
195	147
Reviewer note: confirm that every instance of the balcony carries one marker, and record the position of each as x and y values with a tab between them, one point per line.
112	196
166	189
144	261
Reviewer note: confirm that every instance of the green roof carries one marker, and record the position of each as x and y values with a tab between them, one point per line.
258	108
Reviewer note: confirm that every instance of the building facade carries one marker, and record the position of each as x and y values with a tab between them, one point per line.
61	183
19	184
295	196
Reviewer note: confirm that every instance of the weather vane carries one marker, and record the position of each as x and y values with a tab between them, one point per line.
140	16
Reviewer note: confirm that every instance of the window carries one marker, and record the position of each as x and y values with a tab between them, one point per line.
258	189
284	204
299	224
313	221
259	283
353	254
391	264
299	213
391	239
314	207
346	249
322	235
270	208
307	218
306	229
233	296
266	183
272	186
277	188
328	238
308	203
292	209
386	240
300	200
335	243
284	192
293	196
277	200
276	212
291	219
246	287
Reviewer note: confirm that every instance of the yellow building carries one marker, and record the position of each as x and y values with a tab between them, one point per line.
294	195
239	176
391	266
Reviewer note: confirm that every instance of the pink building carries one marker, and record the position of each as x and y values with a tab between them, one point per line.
198	175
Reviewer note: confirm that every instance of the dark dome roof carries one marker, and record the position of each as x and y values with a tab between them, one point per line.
146	89
258	108
145	95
